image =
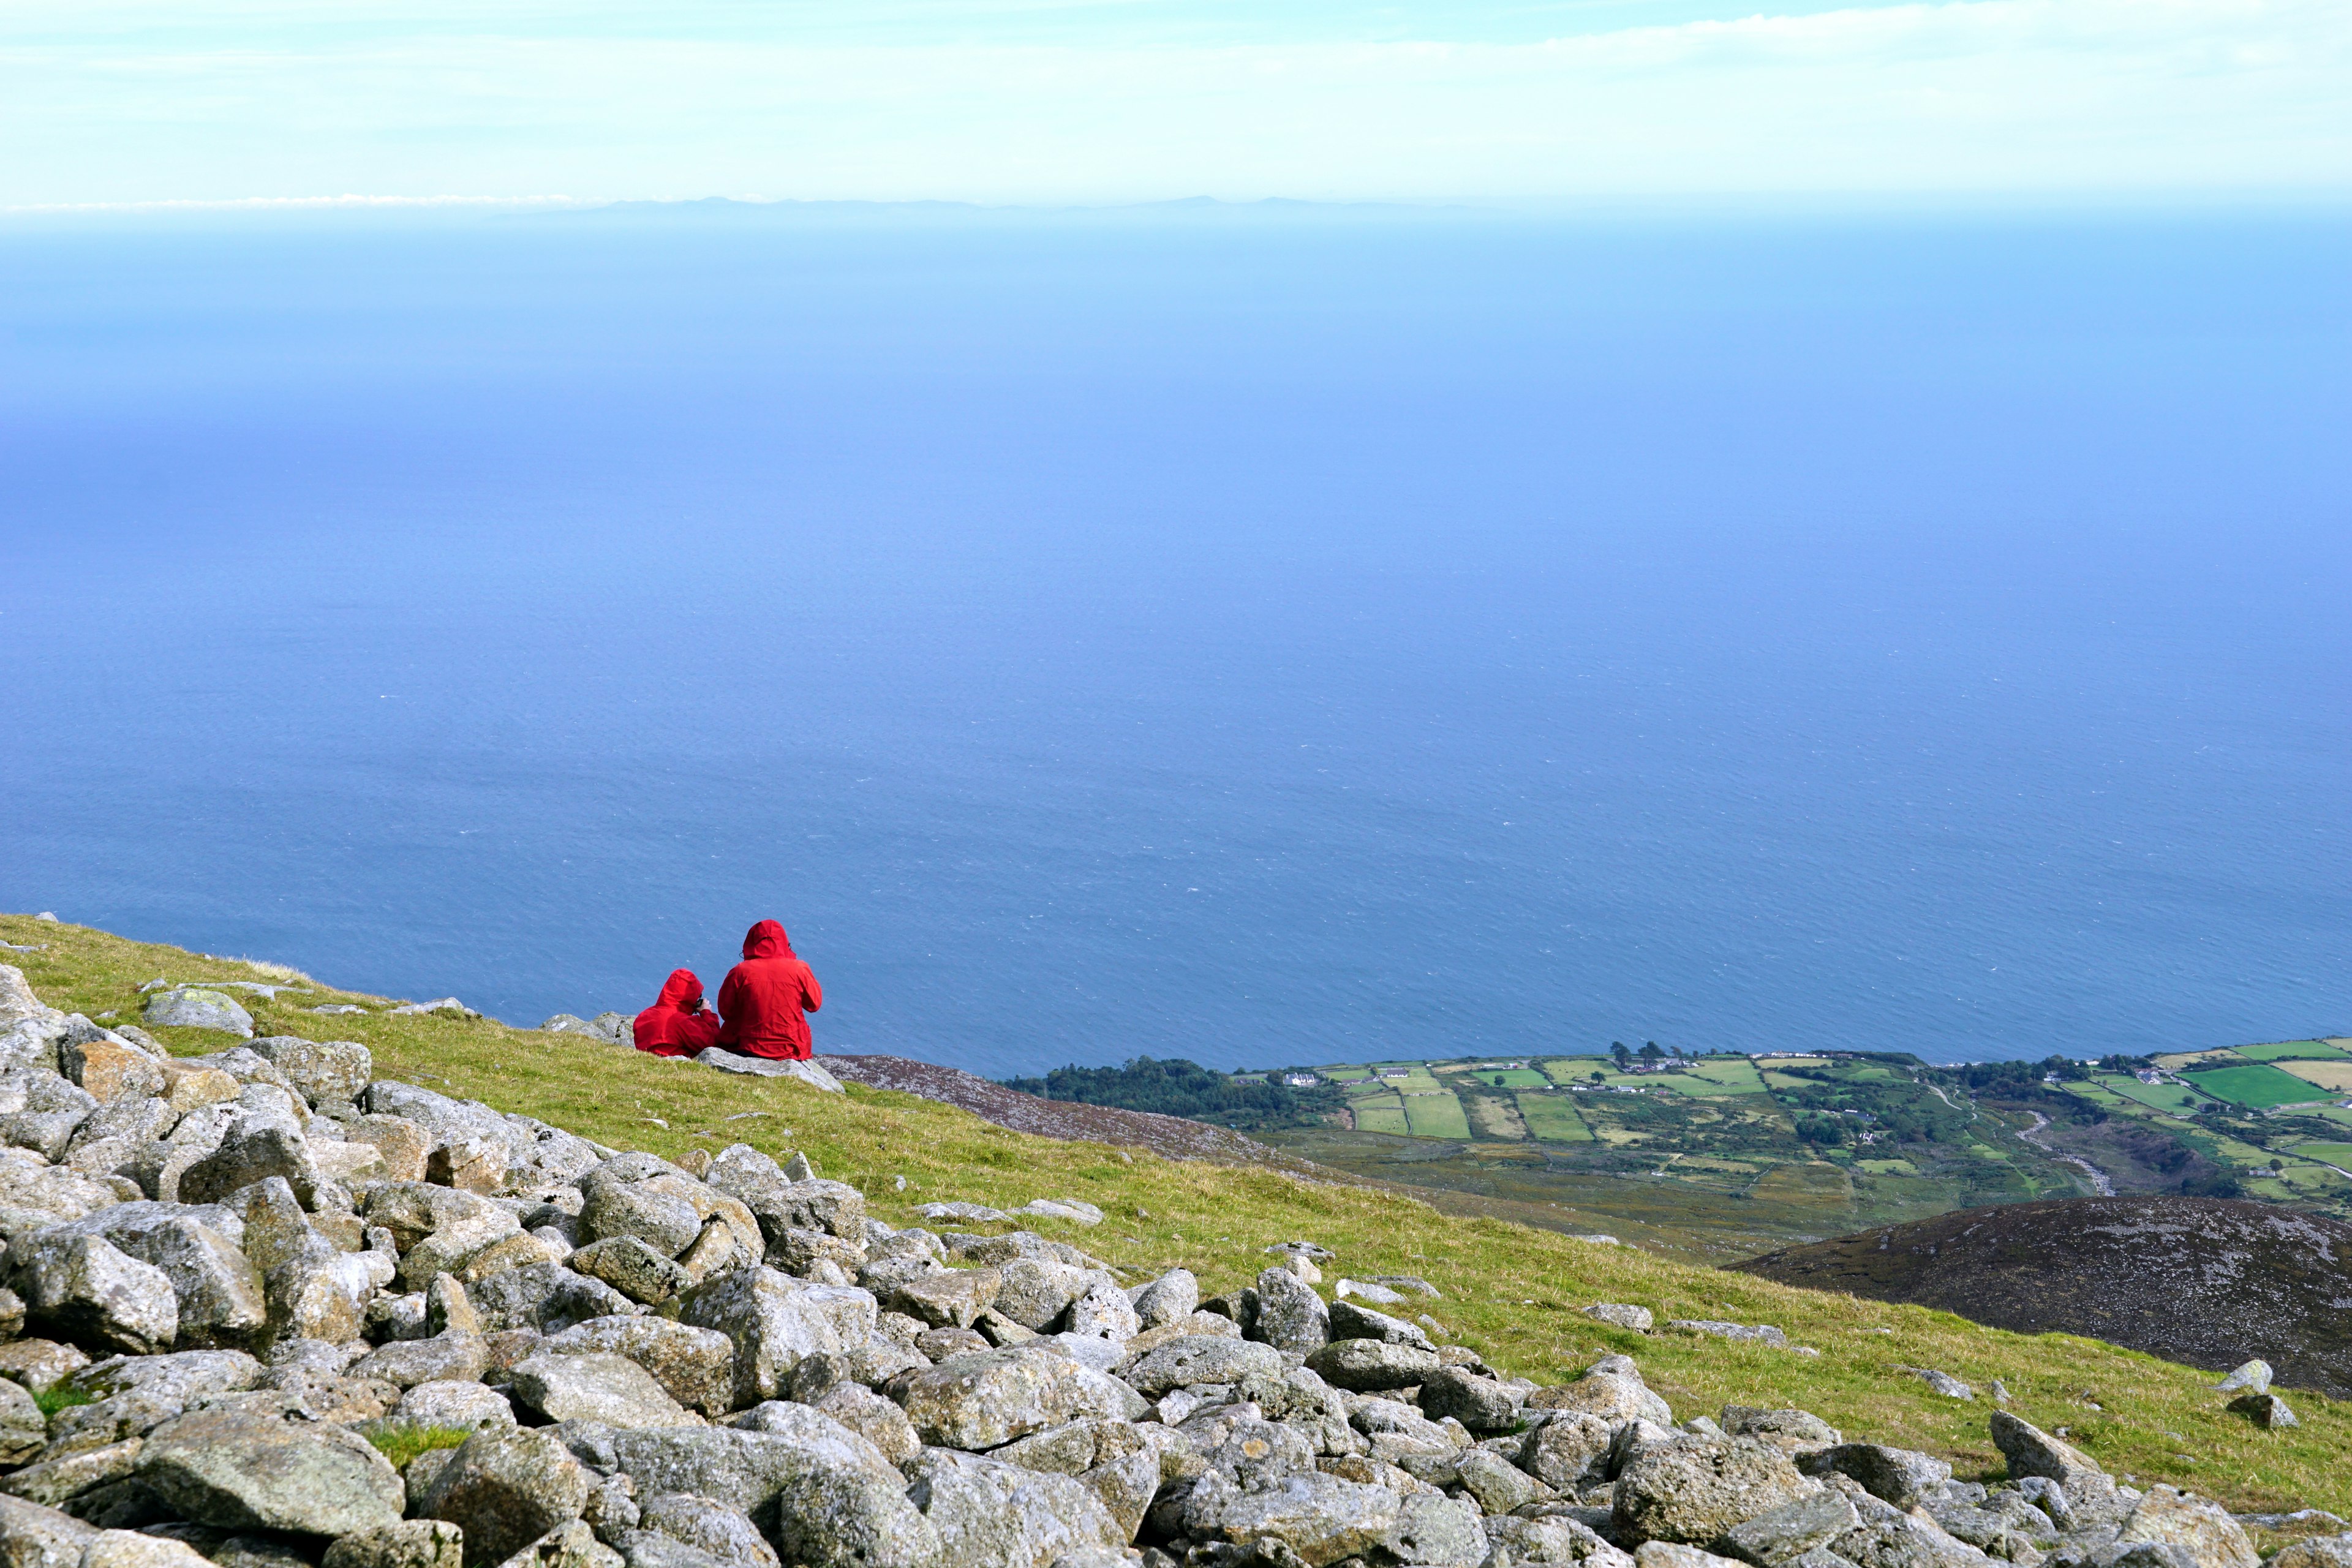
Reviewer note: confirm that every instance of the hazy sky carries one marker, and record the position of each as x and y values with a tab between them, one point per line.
999	100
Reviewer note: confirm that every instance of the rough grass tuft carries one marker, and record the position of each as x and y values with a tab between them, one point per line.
58	1396
403	1441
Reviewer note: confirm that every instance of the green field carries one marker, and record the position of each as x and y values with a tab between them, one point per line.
1729	1075
2291	1051
1512	1078
1552	1119
2258	1086
1435	1115
2171	1096
2328	1154
1574	1069
1379	1113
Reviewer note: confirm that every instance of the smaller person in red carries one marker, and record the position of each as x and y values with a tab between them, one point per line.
765	995
678	1024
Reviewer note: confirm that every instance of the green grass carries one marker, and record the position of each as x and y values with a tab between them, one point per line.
58	1396
2333	1154
1552	1119
1385	1114
1575	1069
2291	1051
1513	1293
2258	1086
1512	1078
1731	1075
2171	1096
403	1441
1888	1167
1435	1116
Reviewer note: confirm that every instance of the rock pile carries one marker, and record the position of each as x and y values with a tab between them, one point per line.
266	1311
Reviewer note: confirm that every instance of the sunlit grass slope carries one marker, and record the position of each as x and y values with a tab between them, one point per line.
1512	1292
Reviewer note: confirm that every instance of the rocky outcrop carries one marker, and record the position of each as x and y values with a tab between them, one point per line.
261	1274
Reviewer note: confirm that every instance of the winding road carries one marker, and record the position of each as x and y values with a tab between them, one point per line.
2099	1183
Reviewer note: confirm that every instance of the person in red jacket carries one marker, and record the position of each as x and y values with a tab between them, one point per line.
764	997
677	1024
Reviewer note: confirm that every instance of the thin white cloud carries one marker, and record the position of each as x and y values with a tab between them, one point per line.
1979	95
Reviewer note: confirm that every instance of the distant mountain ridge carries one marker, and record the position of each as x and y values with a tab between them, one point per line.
2208	1281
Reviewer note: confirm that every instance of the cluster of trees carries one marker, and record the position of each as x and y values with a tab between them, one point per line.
2017	1078
1179	1088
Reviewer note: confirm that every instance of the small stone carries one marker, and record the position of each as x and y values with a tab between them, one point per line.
464	1405
1290	1315
2264	1410
1171	1298
194	1007
1898	1476
1943	1383
1620	1316
2255	1376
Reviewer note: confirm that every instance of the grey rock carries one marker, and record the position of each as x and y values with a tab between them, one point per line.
989	1514
253	1150
1561	1542
1943	1383
695	1366
464	1405
595	1386
948	1298
444	1358
86	1290
2253	1376
570	1545
967	1214
1898	1476
1789	1531
1693	1492
1171	1298
1493	1483
1290	1316
180	1378
877	1420
1740	1333
1102	1313
1480	1403
39	1110
124	1548
218	1290
632	1267
37	1363
2264	1410
1795	1430
988	1398
196	1007
55	1480
1321	1518
1904	1540
411	1543
1370	1365
774	1319
23	1430
1350	1321
1615	1396
506	1488
1618	1315
546	1297
807	1072
321	1071
1668	1555
437	1229
33	1536
821	1493
1034	1292
2203	1528
239	1470
1568	1449
710	1526
2034	1452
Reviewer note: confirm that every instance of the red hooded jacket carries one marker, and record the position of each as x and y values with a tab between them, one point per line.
667	1029
765	995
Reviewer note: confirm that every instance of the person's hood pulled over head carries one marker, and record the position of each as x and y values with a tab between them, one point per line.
767	940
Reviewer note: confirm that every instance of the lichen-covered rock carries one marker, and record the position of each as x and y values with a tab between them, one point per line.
453	1403
1102	1311
695	1366
595	1386
23	1430
196	1007
1614	1396
877	1420
2205	1528
632	1267
1321	1518
237	1469
1495	1484
821	1493
34	1536
1170	1299
1797	1431
1899	1475
437	1229
948	1298
1370	1366
1570	1449
1480	1403
1200	1358
506	1488
82	1288
411	1543
989	1514
710	1526
1789	1531
1290	1315
117	1548
2034	1452
442	1358
321	1071
403	1145
218	1290
990	1397
1692	1492
39	1110
774	1319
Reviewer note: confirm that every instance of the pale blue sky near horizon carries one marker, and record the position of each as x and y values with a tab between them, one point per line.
108	102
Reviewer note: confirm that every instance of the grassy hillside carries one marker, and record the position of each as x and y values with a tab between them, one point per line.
1512	1292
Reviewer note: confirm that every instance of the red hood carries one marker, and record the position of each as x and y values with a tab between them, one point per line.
680	989
767	940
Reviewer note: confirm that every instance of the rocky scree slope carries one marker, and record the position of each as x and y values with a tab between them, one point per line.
2208	1281
266	1311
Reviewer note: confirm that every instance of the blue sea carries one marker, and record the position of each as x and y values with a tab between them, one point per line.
1260	635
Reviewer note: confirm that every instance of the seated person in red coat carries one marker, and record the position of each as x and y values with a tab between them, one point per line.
678	1025
765	995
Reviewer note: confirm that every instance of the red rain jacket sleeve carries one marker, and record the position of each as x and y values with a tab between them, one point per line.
765	998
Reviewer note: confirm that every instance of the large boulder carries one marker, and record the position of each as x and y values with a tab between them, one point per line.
1170	1299
1480	1403
106	1064
196	1007
543	1296
2203	1528
751	1178
990	1397
2034	1452
505	1488
1569	1448
1615	1396
411	1543
1692	1492
1789	1531
321	1071
1290	1316
595	1386
1370	1366
39	1110
774	1319
1321	1517
824	1495
695	1366
437	1230
1201	1358
723	1532
33	1536
1899	1475
84	1289
991	1514
236	1469
218	1288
